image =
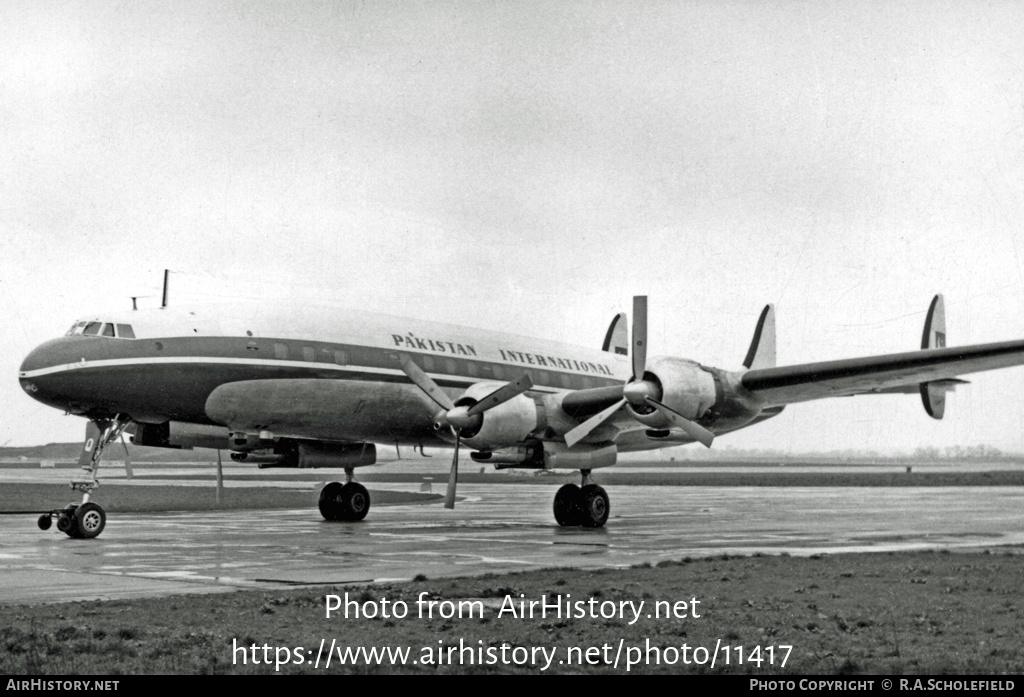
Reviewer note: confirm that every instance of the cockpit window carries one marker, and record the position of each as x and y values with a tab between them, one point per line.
122	331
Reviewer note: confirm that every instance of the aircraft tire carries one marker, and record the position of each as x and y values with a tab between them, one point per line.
594	507
330	501
66	521
89	521
567	505
44	522
355	502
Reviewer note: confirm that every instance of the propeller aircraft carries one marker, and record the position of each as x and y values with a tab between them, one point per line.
319	387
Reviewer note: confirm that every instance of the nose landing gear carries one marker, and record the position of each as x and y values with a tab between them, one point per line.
86	520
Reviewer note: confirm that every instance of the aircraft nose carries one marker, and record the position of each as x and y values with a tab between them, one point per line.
42	356
36	366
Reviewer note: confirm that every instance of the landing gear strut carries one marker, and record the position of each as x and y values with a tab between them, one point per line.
349	501
585	505
87	520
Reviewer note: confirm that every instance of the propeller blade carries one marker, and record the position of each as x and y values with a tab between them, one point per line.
501	395
639	336
692	428
423	381
584	429
127	459
453	476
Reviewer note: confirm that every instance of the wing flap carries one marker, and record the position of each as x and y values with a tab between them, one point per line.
802	383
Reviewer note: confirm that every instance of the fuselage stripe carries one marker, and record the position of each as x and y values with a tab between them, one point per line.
271	363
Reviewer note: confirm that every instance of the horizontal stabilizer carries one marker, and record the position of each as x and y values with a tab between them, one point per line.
762	346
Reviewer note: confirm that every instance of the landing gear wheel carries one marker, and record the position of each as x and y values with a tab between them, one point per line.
329	501
355	501
45	521
66	521
350	502
593	506
567	505
90	520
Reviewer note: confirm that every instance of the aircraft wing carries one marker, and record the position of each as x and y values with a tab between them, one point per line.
876	374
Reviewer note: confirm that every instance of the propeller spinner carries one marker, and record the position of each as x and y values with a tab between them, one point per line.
468	417
641	391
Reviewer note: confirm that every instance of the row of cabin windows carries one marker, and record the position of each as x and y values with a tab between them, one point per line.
309	354
452	366
492	371
121	331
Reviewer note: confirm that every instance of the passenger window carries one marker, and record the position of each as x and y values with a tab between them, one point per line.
125	331
341	357
92	328
449	365
428	362
309	353
486	371
108	330
499	372
471	369
281	351
566	380
543	377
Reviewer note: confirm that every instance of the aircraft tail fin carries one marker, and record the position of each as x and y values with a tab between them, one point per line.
933	394
762	346
616	340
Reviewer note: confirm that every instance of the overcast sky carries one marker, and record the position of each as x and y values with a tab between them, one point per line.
530	166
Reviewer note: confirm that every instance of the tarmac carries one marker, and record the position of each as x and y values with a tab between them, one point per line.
493	529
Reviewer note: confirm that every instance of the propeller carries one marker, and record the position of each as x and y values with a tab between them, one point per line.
460	417
639	391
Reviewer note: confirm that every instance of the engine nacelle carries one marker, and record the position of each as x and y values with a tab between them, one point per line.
180	434
582	457
505	424
312	454
685	387
525	456
550	455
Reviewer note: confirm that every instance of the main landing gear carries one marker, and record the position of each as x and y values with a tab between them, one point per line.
349	501
87	520
585	505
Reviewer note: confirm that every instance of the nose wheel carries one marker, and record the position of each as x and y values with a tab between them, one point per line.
80	522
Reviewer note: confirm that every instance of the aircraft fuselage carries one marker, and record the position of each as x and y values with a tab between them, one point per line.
176	359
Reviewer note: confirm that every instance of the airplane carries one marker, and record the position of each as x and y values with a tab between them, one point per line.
310	387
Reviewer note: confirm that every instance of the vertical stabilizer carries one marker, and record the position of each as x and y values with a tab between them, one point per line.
762	346
934	337
935	325
616	340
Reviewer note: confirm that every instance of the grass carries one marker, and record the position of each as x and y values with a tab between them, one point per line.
891	613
